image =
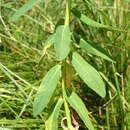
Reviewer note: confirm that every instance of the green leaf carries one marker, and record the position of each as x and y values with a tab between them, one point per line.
92	23
46	89
23	9
50	41
77	104
62	44
51	123
87	20
95	50
47	44
89	74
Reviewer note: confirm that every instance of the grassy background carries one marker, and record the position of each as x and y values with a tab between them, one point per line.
21	47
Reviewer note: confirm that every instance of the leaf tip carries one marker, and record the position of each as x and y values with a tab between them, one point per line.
103	94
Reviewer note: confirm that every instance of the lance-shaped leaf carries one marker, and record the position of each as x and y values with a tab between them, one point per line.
62	44
89	74
87	20
51	123
93	23
50	41
77	104
47	44
24	9
95	50
46	89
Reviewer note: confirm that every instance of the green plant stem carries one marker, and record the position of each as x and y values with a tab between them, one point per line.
108	117
113	109
67	111
67	69
120	96
67	13
67	19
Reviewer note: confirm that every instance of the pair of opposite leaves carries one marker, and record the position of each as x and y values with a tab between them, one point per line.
89	74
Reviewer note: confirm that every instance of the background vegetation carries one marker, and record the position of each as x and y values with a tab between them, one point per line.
21	67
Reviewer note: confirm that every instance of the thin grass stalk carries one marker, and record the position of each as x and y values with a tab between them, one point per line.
113	109
108	117
120	97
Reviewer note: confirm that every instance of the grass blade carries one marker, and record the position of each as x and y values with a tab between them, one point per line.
23	9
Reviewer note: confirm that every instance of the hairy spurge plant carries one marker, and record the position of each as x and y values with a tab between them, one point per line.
67	55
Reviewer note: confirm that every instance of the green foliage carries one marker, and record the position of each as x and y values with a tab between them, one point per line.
93	23
25	59
51	123
50	41
77	104
46	89
89	74
95	50
62	44
87	20
24	9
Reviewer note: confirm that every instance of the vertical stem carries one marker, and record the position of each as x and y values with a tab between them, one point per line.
67	19
108	118
67	74
67	69
113	112
67	13
67	111
120	97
